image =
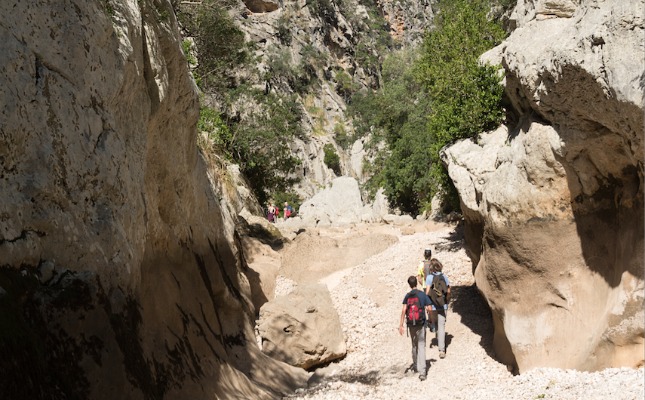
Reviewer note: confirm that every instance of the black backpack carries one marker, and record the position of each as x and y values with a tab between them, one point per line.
438	290
414	313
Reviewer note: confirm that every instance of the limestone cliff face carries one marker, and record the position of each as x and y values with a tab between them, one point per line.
334	39
554	204
119	275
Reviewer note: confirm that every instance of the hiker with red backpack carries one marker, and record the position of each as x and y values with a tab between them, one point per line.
438	289
413	312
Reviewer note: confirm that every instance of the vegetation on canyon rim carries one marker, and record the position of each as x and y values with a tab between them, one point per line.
424	98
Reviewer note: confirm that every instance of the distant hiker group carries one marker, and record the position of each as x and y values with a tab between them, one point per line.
432	301
273	212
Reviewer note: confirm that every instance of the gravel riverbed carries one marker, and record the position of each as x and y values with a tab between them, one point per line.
368	299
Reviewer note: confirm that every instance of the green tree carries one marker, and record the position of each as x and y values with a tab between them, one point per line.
397	115
259	144
332	160
248	126
462	97
220	44
466	96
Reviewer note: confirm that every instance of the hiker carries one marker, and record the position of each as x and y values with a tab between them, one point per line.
413	312
271	213
438	289
287	210
424	268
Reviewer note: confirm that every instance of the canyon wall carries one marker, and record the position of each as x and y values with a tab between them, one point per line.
337	44
553	201
119	269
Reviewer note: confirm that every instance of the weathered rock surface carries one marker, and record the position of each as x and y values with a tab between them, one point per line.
302	328
340	204
408	19
329	44
118	268
554	207
259	240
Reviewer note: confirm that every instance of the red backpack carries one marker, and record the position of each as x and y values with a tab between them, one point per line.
414	310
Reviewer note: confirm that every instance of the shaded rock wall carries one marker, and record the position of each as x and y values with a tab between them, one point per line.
554	205
119	274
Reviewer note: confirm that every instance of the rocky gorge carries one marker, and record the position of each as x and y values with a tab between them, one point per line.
125	252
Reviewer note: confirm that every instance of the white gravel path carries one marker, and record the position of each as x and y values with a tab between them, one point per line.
368	299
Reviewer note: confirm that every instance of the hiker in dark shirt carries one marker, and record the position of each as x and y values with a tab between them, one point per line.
413	313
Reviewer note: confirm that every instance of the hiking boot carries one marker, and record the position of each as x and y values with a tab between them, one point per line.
442	354
422	377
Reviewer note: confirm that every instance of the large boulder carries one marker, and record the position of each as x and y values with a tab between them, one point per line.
554	206
302	328
340	204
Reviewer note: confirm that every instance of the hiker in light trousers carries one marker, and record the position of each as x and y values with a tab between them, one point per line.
415	304
438	313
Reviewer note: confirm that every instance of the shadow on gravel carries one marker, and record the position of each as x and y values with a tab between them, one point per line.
475	314
435	343
454	240
367	378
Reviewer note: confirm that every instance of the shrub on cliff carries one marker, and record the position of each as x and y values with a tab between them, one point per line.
431	101
247	126
332	160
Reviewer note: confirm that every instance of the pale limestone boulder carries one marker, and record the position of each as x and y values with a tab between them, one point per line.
357	156
554	205
398	220
302	328
380	206
339	204
259	241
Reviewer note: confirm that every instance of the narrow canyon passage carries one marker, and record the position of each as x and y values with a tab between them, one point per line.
368	298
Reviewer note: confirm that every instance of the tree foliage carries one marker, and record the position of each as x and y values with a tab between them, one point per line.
432	99
220	43
250	127
260	145
331	159
466	96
